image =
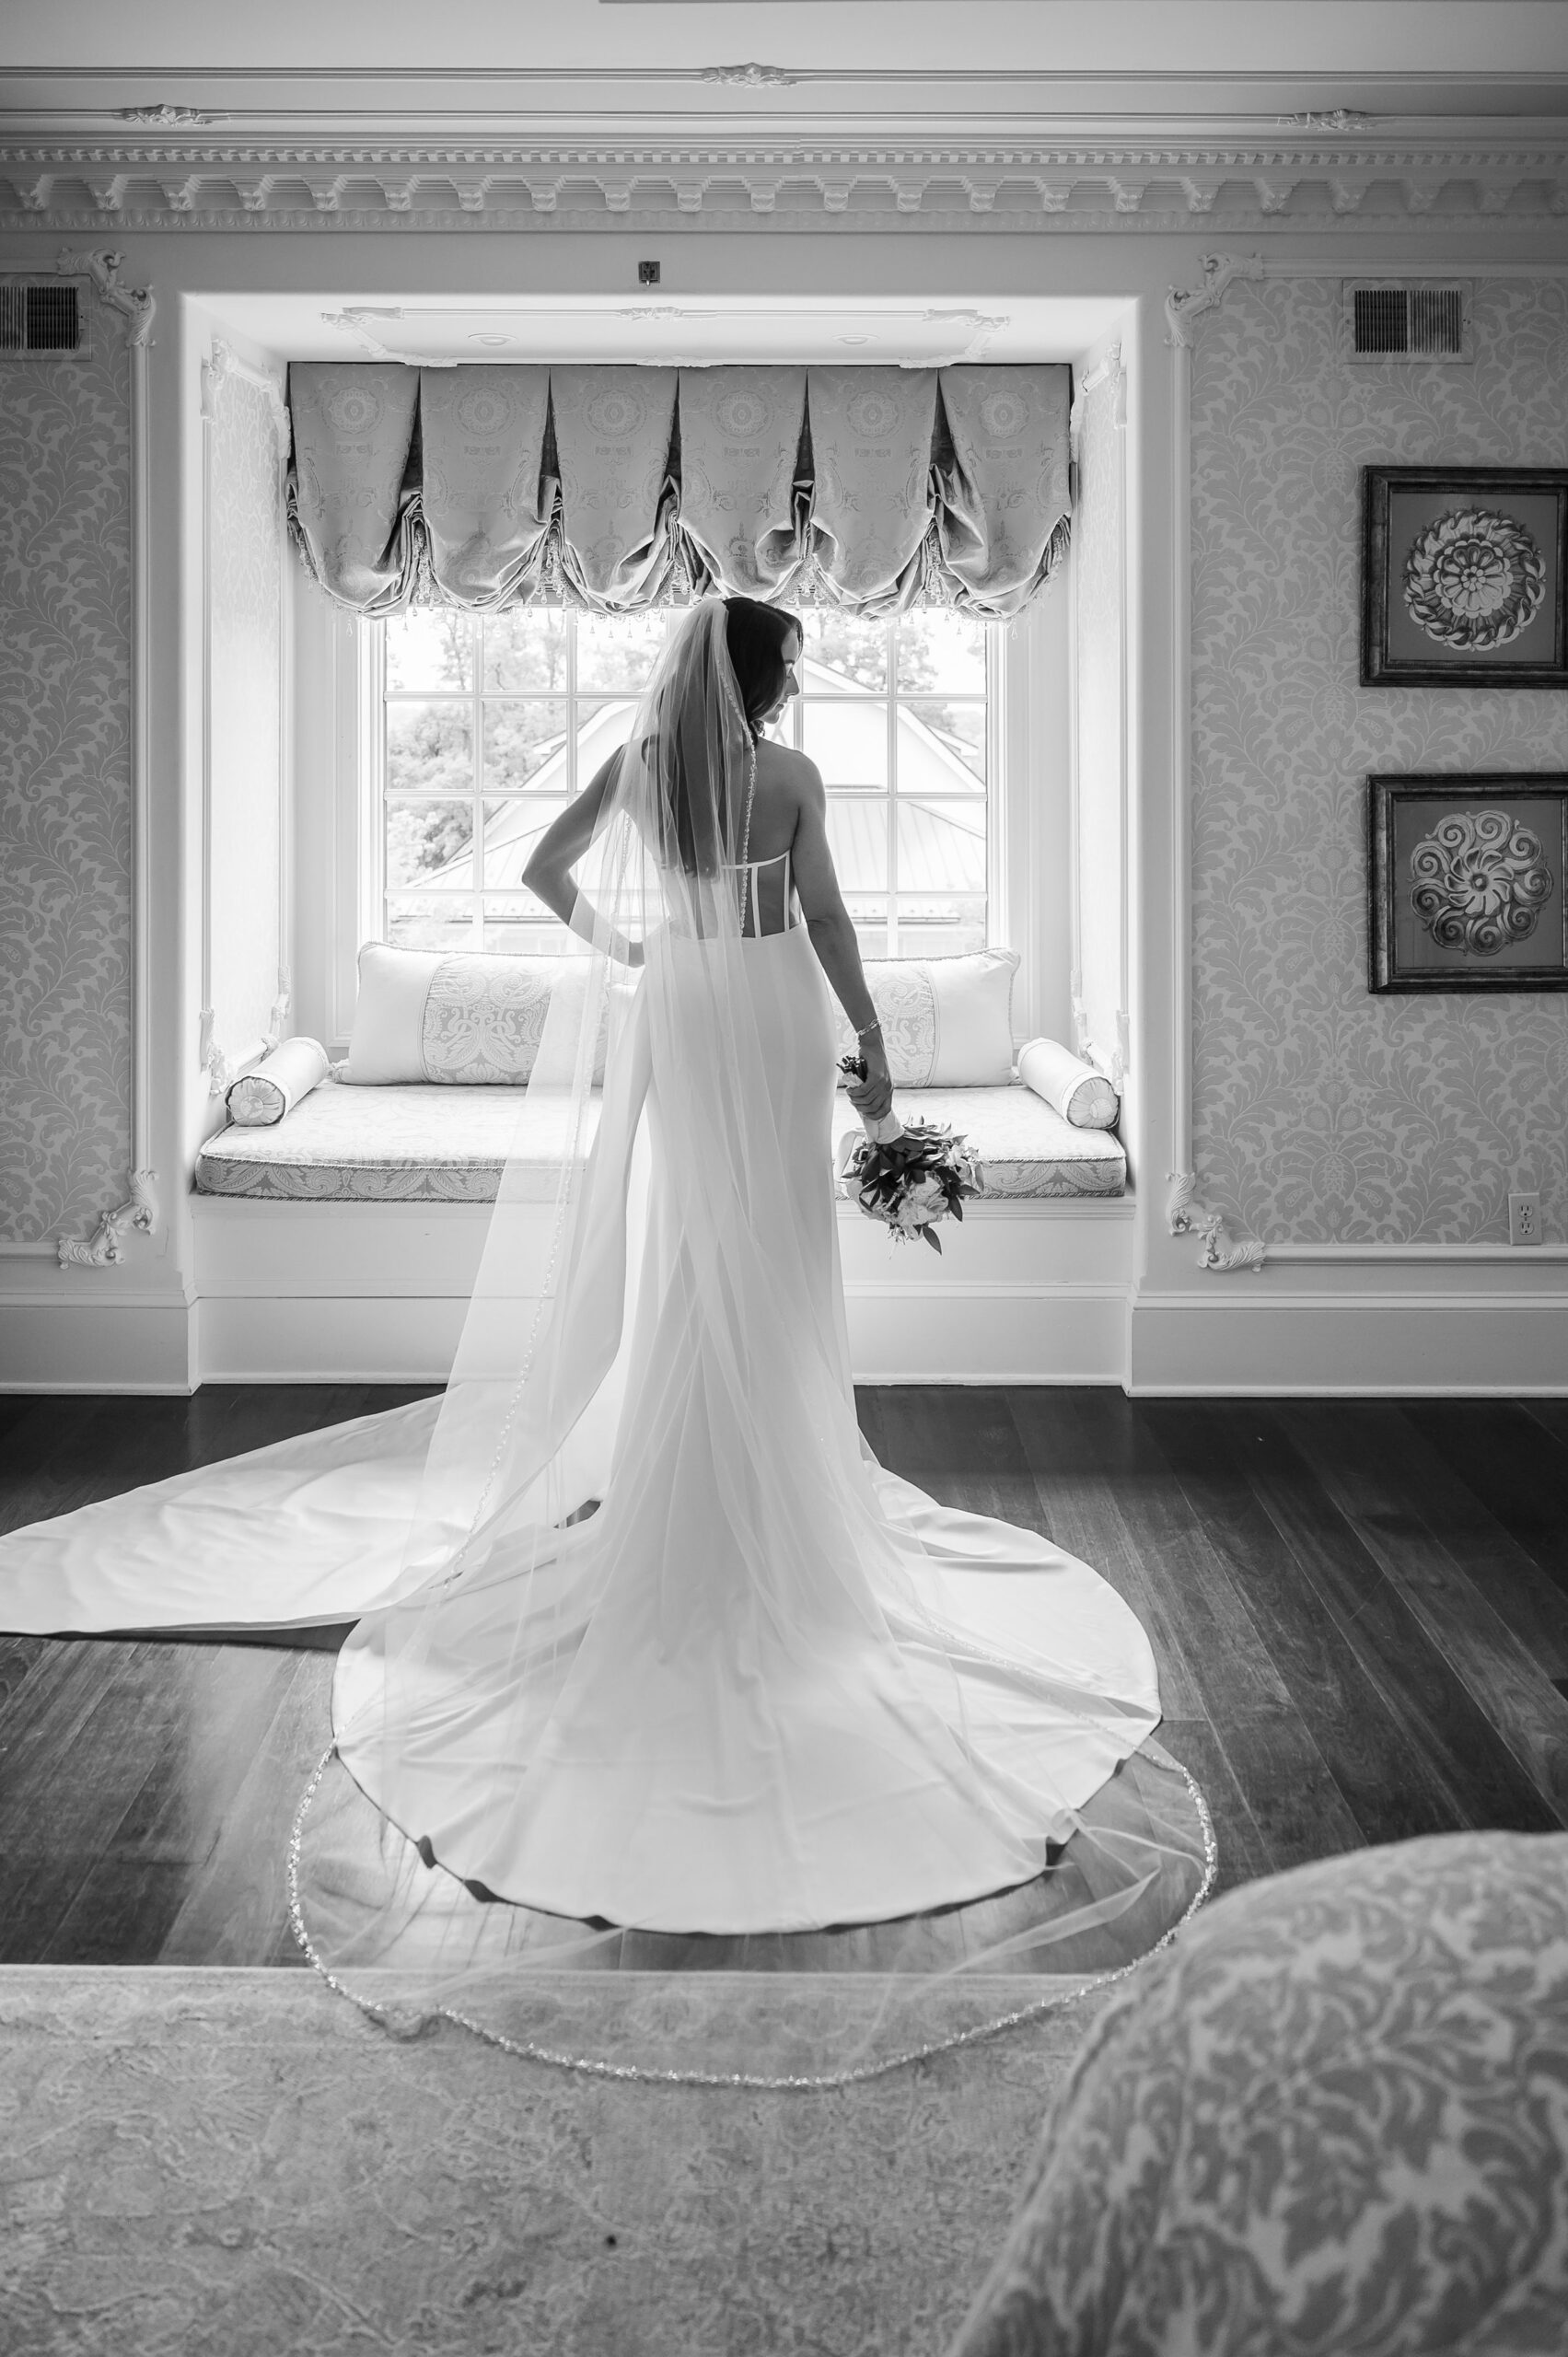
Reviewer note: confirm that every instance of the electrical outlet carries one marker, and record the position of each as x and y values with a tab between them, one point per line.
1523	1219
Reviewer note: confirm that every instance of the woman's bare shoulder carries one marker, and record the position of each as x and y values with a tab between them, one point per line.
787	782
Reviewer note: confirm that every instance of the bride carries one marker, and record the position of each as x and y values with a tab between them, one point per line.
644	1633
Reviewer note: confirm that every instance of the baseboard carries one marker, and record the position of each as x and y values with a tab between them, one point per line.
1461	1341
103	1345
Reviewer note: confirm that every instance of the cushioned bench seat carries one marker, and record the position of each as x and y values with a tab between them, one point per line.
449	1145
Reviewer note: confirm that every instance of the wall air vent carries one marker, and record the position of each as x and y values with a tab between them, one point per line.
1423	320
43	319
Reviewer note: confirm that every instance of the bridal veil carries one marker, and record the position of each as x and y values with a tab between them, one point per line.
671	1659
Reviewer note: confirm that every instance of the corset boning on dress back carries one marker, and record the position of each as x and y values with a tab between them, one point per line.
769	904
764	900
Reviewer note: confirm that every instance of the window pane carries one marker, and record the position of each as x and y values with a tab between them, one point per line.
432	647
840	650
603	726
941	847
858	835
525	745
429	749
941	748
427	844
526	650
941	651
511	831
414	924
868	914
618	650
848	742
515	925
935	926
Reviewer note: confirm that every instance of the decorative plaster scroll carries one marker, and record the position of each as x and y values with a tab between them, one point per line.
103	1248
189	181
166	118
1335	119
135	303
1182	306
750	78
1186	1216
1107	371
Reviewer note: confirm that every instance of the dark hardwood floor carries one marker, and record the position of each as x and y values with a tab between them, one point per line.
1360	1610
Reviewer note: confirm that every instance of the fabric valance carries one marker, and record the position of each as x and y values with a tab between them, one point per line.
620	488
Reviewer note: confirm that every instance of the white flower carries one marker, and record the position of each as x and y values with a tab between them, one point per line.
925	1199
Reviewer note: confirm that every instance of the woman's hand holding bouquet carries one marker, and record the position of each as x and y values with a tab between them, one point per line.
907	1178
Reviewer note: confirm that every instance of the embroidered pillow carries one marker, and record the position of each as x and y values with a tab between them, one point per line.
425	1014
946	1022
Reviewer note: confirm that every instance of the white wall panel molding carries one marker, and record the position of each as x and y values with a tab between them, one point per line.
1325	180
224	366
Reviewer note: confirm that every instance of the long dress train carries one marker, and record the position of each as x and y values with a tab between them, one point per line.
767	1684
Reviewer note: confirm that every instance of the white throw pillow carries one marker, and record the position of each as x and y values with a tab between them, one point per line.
428	1015
946	1022
1079	1093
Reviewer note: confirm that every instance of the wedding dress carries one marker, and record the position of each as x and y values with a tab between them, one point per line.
644	1633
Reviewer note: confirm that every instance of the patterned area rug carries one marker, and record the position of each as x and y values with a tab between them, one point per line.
218	2164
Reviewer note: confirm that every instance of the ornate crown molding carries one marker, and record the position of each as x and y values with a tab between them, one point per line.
135	303
1321	178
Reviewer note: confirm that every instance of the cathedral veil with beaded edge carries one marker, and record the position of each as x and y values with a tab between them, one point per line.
647	1641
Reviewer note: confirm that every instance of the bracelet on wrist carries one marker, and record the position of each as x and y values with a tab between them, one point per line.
866	1029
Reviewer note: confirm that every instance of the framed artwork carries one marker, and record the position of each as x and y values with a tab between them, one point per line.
1464	578
1466	879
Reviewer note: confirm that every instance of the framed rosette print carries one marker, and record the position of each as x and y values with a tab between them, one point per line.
1466	882
1464	576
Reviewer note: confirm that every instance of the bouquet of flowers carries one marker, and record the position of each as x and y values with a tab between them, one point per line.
908	1179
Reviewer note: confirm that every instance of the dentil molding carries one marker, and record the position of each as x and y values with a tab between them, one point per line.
1326	173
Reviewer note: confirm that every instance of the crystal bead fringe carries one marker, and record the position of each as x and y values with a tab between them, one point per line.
526	2050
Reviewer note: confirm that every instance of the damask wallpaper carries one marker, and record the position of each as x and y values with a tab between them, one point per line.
1322	1114
245	547
65	796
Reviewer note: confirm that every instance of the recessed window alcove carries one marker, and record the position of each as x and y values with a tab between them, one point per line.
302	833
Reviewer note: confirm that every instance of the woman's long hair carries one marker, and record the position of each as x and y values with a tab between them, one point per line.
708	705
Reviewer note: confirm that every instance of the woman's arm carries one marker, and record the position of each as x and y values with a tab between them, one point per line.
557	852
832	937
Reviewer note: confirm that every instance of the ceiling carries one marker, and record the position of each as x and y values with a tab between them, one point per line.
648	61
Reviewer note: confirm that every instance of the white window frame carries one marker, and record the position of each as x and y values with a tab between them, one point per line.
341	833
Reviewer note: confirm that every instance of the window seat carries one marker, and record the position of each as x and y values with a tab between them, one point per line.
427	1145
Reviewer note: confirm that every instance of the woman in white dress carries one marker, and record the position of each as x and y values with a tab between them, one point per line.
644	1633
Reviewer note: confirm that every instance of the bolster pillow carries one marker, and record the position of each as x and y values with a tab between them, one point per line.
1078	1093
279	1081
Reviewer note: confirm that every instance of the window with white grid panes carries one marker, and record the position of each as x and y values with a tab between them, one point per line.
490	723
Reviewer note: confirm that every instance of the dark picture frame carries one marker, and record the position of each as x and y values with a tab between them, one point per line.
1467	881
1448	601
